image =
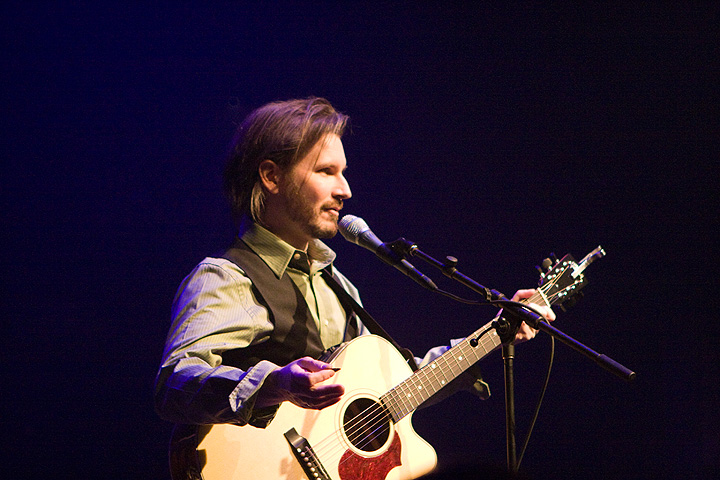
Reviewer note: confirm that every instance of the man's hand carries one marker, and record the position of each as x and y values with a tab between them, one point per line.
297	382
525	332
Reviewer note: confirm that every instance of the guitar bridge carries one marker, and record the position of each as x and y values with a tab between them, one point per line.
305	455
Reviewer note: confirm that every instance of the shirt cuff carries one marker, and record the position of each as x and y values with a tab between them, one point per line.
431	355
242	398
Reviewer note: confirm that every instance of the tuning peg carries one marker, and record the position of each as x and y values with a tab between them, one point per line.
570	302
547	264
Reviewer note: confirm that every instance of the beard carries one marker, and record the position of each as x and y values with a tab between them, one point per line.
309	216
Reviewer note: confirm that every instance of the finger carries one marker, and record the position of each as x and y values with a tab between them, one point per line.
331	390
303	380
318	377
318	397
520	294
525	332
546	312
306	372
316	404
312	365
306	380
323	404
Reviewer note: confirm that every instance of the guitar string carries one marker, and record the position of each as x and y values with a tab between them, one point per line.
457	360
431	370
378	416
373	422
325	449
396	395
368	418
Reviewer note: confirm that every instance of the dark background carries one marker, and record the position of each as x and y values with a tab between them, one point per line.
496	134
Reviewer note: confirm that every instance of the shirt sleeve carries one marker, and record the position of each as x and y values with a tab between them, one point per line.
213	311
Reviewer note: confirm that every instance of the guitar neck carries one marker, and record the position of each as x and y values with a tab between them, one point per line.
426	382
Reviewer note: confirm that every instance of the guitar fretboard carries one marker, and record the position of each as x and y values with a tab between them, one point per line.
426	382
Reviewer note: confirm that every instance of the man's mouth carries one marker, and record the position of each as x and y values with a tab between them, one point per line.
334	209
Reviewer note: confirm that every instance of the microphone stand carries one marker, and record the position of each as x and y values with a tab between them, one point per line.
507	325
508	353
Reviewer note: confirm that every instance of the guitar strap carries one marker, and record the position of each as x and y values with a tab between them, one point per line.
348	302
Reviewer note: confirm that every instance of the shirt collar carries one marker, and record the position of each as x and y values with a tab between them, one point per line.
278	254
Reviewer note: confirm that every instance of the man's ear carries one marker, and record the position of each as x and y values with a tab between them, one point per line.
269	173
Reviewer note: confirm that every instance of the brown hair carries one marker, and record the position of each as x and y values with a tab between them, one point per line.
283	132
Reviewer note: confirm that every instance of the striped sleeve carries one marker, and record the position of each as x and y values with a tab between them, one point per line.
214	311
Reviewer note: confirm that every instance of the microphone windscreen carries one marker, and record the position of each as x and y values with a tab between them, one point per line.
351	227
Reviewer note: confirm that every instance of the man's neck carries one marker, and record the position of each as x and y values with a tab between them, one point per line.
297	243
277	230
280	229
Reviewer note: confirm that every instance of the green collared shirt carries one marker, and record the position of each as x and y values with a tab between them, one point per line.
304	269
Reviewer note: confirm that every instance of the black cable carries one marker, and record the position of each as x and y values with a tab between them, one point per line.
540	401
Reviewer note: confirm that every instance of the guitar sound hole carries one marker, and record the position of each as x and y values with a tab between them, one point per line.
367	424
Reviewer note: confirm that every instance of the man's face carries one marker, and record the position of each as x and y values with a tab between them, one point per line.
313	191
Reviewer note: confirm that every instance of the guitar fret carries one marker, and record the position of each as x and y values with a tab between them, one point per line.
432	371
418	392
426	382
407	398
399	395
437	371
390	402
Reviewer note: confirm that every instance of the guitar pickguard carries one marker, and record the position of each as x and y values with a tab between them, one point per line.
354	467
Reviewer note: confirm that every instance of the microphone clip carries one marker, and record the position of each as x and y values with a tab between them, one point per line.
402	248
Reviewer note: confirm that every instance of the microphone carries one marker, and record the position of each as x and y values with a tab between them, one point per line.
355	230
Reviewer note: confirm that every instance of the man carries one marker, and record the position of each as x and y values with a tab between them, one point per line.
247	328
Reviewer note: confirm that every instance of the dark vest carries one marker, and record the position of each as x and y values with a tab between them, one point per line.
295	333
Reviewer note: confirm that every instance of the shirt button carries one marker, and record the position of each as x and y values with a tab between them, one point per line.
296	256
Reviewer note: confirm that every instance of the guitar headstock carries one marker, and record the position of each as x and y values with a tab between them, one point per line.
561	280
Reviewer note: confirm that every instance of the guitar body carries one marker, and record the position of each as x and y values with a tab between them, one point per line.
337	435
